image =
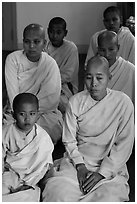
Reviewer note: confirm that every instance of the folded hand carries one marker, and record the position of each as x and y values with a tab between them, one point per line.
91	180
82	172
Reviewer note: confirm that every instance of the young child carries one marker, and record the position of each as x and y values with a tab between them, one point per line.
32	70
122	71
66	55
27	151
113	22
98	134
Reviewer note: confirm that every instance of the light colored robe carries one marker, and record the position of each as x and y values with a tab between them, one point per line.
99	134
123	77
126	40
67	59
40	78
28	158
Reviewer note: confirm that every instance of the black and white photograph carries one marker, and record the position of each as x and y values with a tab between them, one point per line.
68	101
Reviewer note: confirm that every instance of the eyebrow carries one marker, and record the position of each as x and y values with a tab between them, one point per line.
99	74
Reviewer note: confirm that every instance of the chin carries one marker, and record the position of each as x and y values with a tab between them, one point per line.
56	45
95	97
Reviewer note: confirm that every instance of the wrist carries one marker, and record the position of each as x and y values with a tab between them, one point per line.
102	177
79	166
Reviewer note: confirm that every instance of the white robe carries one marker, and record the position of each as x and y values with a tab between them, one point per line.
41	78
99	134
126	40
67	59
28	158
123	77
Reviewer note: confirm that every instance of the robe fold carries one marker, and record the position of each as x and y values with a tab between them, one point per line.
126	40
99	134
123	77
40	78
26	159
67	59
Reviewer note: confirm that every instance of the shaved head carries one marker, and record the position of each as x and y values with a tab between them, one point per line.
107	36
24	98
97	77
108	46
34	28
98	61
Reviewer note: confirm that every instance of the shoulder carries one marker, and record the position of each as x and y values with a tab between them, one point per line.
70	44
125	32
43	135
49	61
126	64
41	130
47	57
75	104
130	65
79	100
7	127
6	130
78	96
121	98
14	55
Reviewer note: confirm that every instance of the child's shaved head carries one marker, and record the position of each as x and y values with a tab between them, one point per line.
24	98
107	36
35	28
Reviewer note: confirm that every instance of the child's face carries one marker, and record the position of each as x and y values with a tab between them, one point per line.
108	49
33	44
112	21
56	34
26	116
96	81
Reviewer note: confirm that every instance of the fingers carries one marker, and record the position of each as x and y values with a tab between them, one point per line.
82	176
89	183
81	182
89	174
88	188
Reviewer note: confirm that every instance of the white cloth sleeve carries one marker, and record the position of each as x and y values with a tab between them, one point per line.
69	135
122	147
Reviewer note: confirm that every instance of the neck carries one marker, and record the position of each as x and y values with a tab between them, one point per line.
58	45
119	30
99	98
111	62
35	59
23	131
